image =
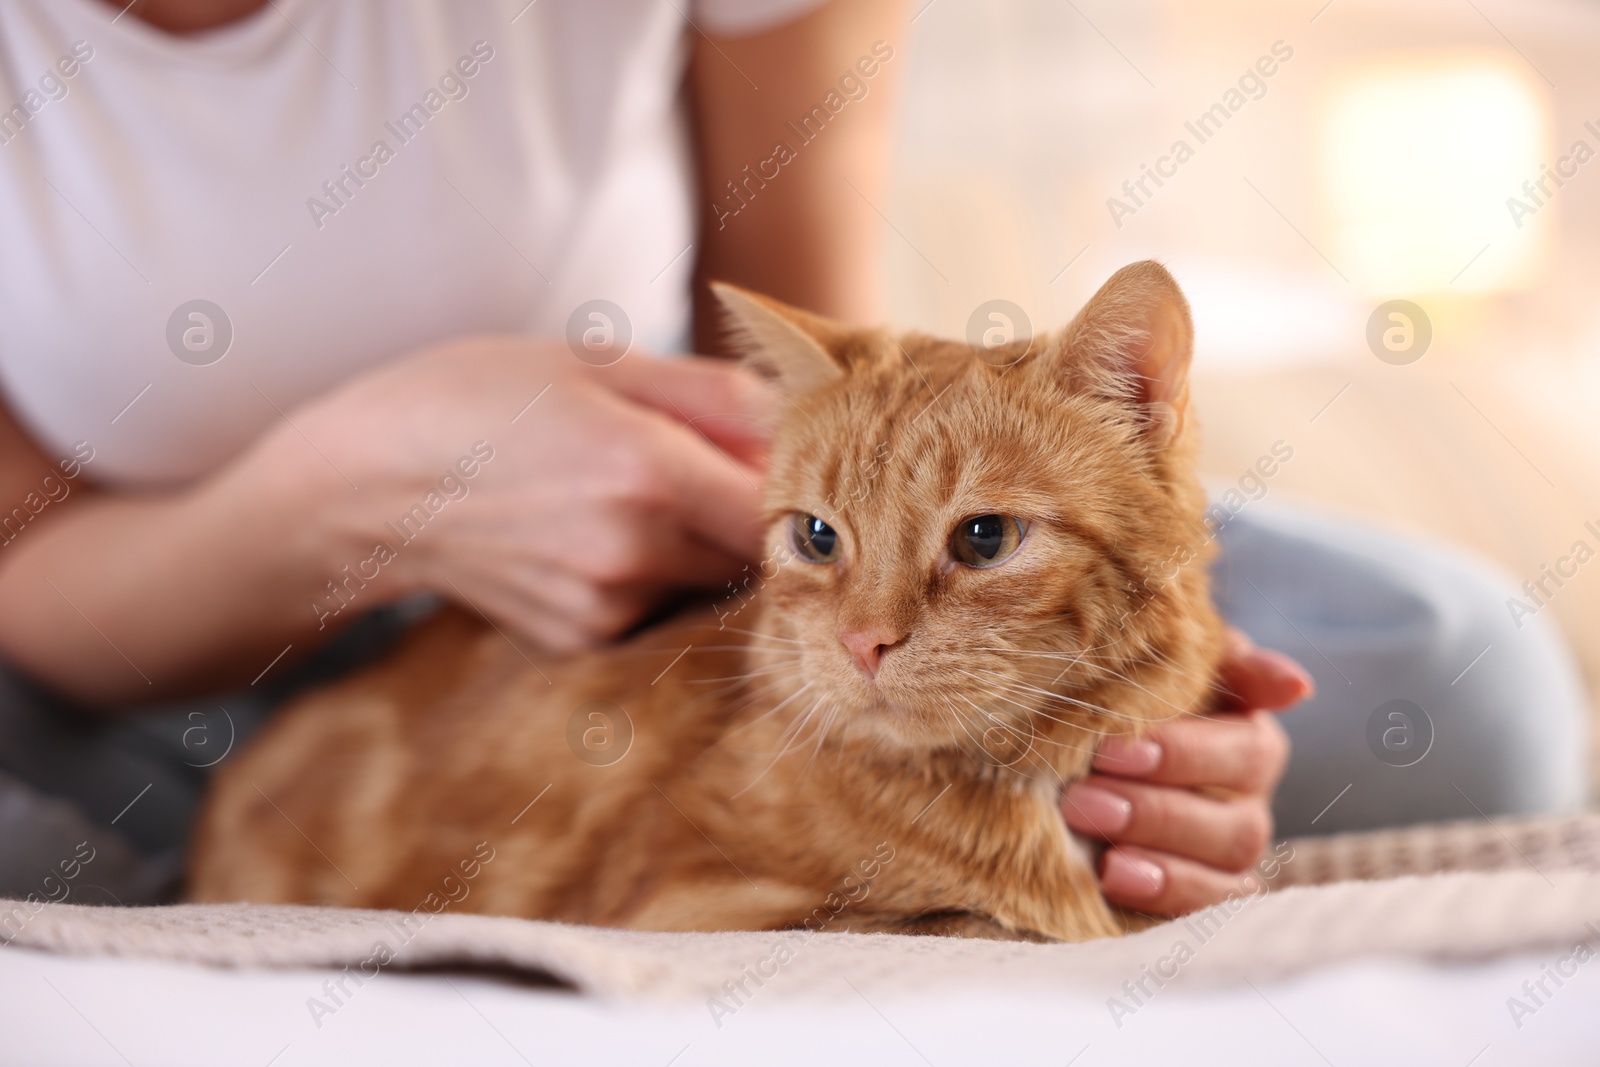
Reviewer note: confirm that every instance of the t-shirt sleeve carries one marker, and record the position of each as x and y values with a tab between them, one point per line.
740	18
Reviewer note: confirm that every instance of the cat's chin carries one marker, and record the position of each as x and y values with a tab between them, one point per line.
908	726
878	718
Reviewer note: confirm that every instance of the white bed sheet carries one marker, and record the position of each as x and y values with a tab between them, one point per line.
60	1010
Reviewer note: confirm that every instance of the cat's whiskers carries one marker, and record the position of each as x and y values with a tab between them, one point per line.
1064	722
742	648
1075	726
1041	713
1119	716
762	635
774	668
792	733
1213	683
1116	716
754	633
766	714
779	668
1029	739
1094	658
1047	653
961	721
757	693
1002	683
1154	657
1014	731
823	729
1130	680
1020	687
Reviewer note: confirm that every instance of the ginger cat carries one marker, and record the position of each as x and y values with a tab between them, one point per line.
980	565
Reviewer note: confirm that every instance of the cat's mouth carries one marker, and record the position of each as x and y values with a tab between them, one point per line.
917	698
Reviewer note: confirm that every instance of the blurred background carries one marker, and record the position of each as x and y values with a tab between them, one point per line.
1375	163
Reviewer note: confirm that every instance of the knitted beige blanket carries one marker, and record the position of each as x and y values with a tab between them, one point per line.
1460	891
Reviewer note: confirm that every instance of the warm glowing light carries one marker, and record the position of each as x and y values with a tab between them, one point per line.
1419	154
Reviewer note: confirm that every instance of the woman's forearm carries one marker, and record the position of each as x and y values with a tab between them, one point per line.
123	599
793	176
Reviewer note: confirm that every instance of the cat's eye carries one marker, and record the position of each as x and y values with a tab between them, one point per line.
987	540
814	539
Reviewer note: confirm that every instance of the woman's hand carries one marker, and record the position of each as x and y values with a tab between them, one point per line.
1188	808
613	488
616	486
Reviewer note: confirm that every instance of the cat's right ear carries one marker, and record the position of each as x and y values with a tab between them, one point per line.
1134	340
786	346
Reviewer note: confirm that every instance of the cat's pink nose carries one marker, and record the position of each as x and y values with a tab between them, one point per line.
867	647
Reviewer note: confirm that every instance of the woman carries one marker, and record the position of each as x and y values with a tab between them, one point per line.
274	273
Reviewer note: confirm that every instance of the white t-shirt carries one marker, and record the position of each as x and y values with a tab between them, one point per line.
341	182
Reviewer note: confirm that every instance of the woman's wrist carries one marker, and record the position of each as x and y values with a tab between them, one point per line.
294	515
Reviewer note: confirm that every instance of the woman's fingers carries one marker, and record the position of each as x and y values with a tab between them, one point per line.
716	498
1261	678
632	551
1240	752
1163	884
565	609
1176	843
1186	809
716	397
668	470
603	505
1229	835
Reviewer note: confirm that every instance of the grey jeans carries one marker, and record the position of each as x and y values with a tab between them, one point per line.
1431	704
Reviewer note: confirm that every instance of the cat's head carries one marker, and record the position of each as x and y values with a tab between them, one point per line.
994	551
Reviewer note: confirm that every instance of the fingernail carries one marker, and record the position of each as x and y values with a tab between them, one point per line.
1132	877
1119	755
1284	669
1091	809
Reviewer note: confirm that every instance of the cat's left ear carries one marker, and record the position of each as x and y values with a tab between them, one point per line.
1134	339
791	348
